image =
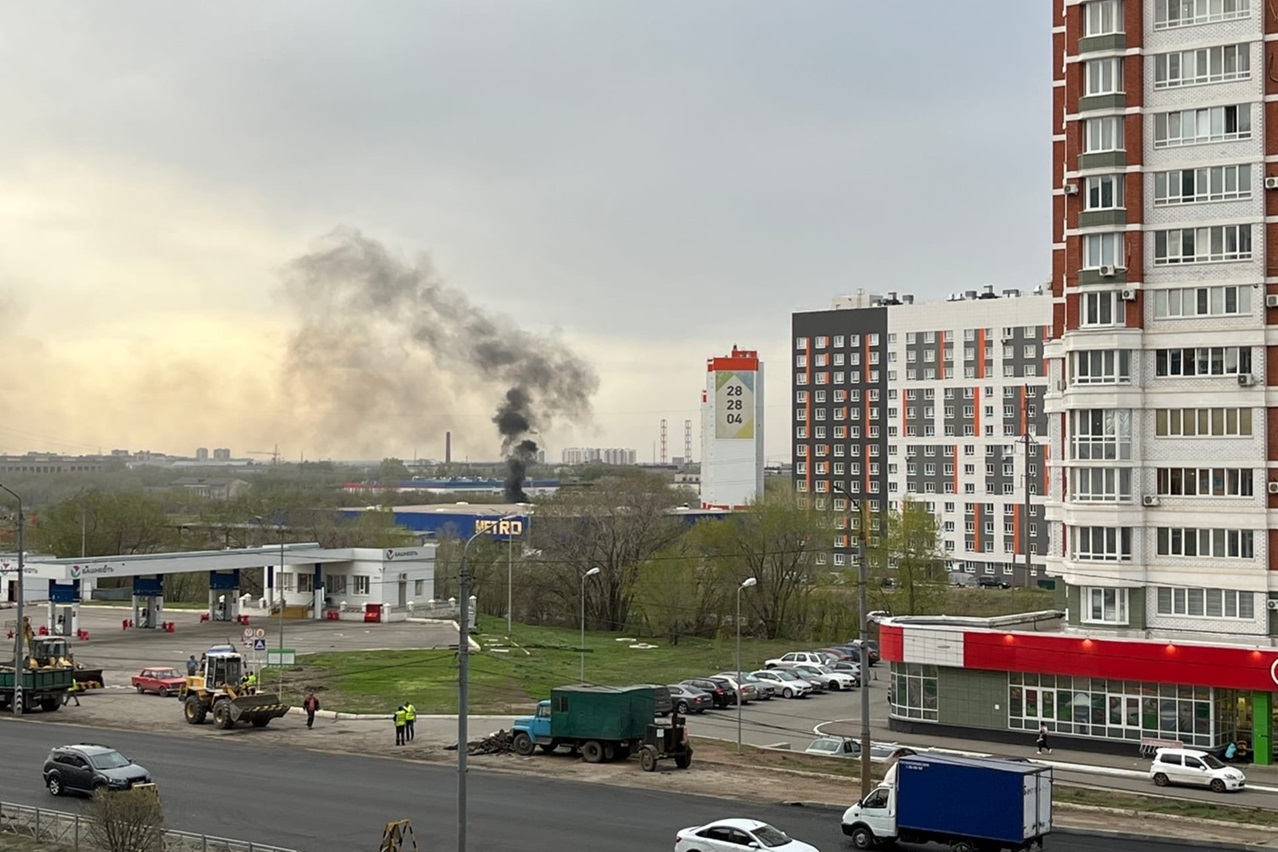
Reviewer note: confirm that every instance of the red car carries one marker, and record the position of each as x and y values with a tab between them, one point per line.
162	680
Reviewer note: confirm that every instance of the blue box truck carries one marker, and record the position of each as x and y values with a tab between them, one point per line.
971	804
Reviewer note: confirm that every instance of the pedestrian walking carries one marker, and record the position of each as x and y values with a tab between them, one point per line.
410	716
1041	742
192	666
71	694
310	705
401	722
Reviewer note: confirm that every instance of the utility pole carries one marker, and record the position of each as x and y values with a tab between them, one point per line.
864	600
19	634
1025	524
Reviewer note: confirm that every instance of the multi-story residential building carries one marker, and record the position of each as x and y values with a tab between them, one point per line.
1162	442
601	455
930	402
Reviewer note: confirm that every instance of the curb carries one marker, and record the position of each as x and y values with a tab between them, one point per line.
1162	839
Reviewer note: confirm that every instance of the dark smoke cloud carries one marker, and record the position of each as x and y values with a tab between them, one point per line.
382	337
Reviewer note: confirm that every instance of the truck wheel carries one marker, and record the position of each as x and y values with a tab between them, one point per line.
49	705
592	751
862	838
222	715
962	846
523	744
194	710
648	758
683	761
610	752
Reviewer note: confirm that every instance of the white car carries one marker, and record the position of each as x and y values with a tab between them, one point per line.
828	677
788	684
796	658
1195	768
735	835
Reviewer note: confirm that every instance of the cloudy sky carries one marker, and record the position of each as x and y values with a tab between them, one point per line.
647	183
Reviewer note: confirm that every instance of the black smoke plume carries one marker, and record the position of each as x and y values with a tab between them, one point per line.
385	340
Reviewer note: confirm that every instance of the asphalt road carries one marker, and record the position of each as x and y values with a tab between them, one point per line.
321	802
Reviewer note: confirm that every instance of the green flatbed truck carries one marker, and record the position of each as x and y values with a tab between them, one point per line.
603	723
43	688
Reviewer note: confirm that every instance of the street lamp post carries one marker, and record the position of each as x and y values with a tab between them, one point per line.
463	680
864	582
19	659
745	584
1025	536
592	572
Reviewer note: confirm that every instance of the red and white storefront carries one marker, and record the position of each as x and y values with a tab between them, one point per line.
963	674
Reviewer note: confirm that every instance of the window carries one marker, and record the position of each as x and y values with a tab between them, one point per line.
1202	245
1203	361
914	691
1106	606
800	343
1195	186
1206	603
1202	422
1185	13
1100	484
1102	544
1101	434
1101	367
1103	250
1104	192
1104	76
360	584
305	583
1185	302
1202	65
335	584
1103	17
1219	543
1099	309
1205	481
1103	134
1197	126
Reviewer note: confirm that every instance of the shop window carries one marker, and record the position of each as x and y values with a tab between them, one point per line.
914	691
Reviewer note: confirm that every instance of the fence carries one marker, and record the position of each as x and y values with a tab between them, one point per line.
70	831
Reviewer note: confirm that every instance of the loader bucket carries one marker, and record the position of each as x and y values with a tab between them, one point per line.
258	709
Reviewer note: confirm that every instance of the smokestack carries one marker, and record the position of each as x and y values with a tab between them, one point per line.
448	448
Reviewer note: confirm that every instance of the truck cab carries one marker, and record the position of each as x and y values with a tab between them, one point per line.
537	727
873	819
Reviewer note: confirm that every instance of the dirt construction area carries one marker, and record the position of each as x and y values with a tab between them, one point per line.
716	771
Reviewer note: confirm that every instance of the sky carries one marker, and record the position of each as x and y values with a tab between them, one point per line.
642	184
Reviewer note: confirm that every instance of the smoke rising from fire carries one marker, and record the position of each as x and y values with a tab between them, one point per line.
377	331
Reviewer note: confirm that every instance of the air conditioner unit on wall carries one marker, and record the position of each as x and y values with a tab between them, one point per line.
1072	188
1272	604
1107	271
1271	183
1271	301
1273	488
1150	500
1246	380
1128	295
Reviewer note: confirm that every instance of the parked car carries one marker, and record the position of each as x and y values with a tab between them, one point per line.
828	677
794	657
688	699
848	747
767	689
162	680
735	695
809	674
987	582
87	768
720	693
662	701
748	690
1194	768
871	649
835	654
788	684
733	835
848	667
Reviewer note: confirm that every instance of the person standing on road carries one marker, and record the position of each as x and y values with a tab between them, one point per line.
401	722
410	716
310	705
1041	742
71	694
192	666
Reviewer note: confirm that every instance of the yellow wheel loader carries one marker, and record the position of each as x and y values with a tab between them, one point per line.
218	689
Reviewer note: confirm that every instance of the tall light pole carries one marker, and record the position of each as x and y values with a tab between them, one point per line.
1025	536
279	573
745	584
463	680
19	659
864	582
592	572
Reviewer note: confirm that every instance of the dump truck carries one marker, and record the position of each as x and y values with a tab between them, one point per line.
55	652
603	723
928	798
43	688
217	689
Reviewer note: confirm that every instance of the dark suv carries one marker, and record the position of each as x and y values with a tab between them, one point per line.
88	768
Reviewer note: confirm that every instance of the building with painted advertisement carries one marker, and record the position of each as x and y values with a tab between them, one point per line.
732	430
1001	678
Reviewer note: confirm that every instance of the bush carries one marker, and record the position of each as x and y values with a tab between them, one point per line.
126	821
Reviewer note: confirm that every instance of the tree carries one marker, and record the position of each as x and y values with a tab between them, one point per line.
775	541
105	525
909	553
617	525
680	593
126	821
391	471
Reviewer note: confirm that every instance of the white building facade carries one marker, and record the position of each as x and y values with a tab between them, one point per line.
732	430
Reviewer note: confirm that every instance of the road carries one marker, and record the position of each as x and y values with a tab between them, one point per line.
322	802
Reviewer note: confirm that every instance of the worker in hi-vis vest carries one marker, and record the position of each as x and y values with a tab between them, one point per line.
401	723
410	716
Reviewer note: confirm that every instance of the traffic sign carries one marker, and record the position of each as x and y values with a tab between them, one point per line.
260	633
259	644
248	633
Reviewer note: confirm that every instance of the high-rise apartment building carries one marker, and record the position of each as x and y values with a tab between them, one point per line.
930	402
1160	430
732	430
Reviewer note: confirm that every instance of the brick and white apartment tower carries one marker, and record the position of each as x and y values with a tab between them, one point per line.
732	430
1163	431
